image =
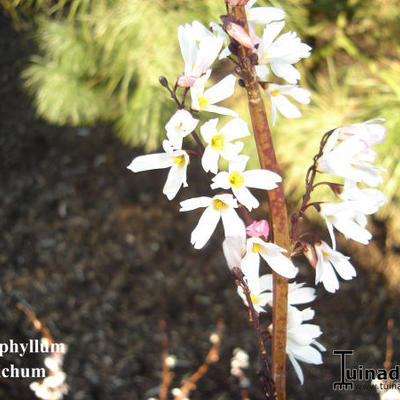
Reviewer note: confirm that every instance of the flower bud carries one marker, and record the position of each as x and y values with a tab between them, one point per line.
258	229
232	248
163	81
186	81
238	33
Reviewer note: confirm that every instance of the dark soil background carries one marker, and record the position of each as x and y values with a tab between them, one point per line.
100	255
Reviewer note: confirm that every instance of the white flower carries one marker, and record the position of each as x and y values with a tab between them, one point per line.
219	206
282	52
180	125
216	28
368	131
198	58
368	200
329	261
297	293
301	339
351	160
346	218
205	100
219	142
277	95
258	287
238	180
263	15
271	253
176	160
352	157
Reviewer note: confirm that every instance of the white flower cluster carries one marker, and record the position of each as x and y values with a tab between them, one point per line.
54	386
348	154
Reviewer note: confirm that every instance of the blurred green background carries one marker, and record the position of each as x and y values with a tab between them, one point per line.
99	61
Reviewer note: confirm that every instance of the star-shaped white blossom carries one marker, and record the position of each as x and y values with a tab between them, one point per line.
282	52
271	253
176	160
329	261
278	93
204	100
239	180
218	207
258	287
219	142
180	125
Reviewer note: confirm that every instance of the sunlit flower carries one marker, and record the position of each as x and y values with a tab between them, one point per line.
204	100
180	125
278	93
176	160
346	218
219	142
239	180
199	51
282	52
218	207
271	253
348	153
368	200
329	261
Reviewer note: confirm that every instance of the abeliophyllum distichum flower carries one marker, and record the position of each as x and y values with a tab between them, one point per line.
262	51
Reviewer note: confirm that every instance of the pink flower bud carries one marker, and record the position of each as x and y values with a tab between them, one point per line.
232	248
238	33
234	3
258	228
186	81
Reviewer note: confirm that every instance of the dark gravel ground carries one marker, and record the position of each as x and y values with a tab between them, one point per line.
101	256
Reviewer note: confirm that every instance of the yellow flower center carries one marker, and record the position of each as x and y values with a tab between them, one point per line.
266	54
256	247
219	204
254	299
236	179
203	102
275	93
180	160
218	142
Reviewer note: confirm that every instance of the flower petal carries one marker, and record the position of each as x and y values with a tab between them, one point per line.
194	203
221	90
205	227
151	161
261	179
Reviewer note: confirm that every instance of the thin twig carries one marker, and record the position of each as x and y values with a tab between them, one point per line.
212	357
269	385
39	325
167	375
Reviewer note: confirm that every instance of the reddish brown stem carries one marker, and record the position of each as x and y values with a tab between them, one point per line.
276	203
